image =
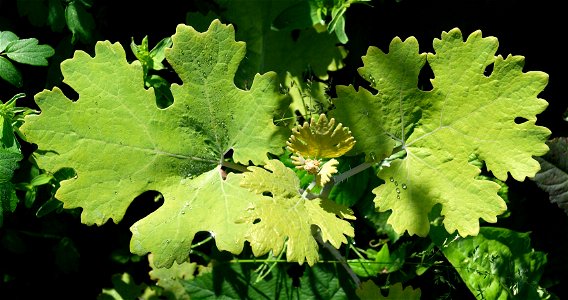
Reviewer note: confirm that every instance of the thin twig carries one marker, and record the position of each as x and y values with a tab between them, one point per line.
234	166
340	259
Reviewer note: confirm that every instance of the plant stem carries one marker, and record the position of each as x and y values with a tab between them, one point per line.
340	259
234	166
202	242
341	177
360	168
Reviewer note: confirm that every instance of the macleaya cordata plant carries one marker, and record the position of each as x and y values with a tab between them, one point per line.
219	157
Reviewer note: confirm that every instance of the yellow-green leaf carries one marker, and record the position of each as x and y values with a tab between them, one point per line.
320	138
282	218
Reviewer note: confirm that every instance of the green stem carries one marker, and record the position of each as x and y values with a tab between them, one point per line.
351	172
234	166
202	242
340	259
341	177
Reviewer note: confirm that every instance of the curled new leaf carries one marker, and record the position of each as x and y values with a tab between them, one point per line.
321	139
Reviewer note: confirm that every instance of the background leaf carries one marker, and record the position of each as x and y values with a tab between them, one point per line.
553	176
496	264
9	72
235	281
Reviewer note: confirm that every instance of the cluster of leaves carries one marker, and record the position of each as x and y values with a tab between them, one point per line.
267	184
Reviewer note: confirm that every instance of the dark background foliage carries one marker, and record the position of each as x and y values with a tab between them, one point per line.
56	256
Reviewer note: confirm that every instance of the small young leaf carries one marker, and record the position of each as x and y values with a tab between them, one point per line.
125	288
320	139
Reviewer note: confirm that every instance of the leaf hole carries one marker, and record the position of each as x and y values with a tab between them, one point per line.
520	120
295	272
425	78
295	34
299	117
488	70
69	92
163	94
142	206
268	194
256	221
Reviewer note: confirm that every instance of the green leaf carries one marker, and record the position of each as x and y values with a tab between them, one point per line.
377	262
300	15
370	291
27	51
151	61
310	52
172	279
496	264
233	281
466	112
67	256
9	72
56	15
8	200
6	38
120	144
9	150
553	176
125	288
285	219
80	22
10	155
35	10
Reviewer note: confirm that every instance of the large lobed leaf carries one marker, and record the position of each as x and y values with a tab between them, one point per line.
466	113
120	144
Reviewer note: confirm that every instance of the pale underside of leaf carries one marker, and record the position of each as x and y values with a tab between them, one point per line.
286	218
